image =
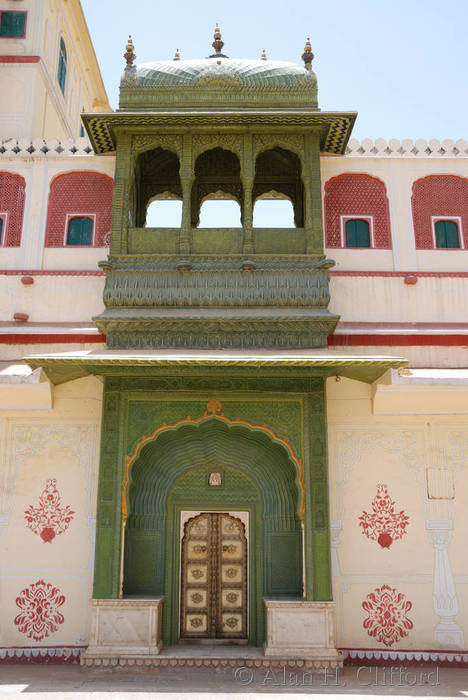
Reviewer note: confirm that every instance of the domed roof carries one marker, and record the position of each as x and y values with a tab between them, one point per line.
248	73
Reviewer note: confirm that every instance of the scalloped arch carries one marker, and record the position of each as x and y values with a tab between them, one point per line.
160	459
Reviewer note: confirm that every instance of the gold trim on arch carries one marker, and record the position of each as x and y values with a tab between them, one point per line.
213	410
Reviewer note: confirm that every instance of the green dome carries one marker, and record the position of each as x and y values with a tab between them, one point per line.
248	73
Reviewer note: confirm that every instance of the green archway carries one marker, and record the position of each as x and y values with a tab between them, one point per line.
171	475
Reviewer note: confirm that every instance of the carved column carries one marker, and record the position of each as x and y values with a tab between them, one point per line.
120	213
444	594
247	184
186	181
313	195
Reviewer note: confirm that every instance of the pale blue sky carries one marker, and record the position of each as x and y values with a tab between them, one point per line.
402	64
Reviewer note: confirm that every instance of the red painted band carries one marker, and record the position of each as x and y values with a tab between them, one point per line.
33	338
406	340
20	59
56	273
389	273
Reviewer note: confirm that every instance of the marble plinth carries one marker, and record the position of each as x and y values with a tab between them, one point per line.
125	628
301	629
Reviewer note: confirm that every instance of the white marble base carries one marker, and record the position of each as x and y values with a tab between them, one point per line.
125	628
301	629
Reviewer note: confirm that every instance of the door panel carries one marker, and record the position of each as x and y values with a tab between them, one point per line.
214	578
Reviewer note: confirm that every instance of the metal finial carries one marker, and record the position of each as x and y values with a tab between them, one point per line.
129	55
308	56
218	43
176	55
263	57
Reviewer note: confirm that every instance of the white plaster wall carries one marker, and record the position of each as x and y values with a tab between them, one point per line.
375	299
398	174
52	298
38	173
61	444
366	450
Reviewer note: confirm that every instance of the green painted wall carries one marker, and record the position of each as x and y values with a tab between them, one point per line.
170	474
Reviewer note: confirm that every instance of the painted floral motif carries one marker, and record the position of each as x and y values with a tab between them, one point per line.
196	598
383	524
40	614
50	518
232	597
231	573
197	573
387	619
196	622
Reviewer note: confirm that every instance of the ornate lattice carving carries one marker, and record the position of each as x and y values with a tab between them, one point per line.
290	142
204	142
171	142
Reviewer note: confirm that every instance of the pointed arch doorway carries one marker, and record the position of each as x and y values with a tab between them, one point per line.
174	474
213	597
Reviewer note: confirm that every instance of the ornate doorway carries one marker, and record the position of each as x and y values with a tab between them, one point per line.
214	578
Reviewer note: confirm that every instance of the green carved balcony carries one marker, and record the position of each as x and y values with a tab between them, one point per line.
221	241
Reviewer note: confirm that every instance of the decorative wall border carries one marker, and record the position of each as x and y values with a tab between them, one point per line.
40	655
410	657
407	147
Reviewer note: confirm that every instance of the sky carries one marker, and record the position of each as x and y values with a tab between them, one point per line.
401	64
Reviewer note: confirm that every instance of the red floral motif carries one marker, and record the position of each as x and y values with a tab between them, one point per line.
49	519
383	524
387	620
40	615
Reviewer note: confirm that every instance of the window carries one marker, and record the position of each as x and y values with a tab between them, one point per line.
80	230
2	227
357	234
62	66
446	234
12	24
82	131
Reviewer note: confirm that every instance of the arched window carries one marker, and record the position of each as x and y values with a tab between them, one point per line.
62	66
80	230
1	230
357	234
447	234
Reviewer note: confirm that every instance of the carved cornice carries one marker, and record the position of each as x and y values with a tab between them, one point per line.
334	127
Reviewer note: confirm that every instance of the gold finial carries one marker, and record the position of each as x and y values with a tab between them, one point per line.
177	55
129	55
308	56
218	43
263	57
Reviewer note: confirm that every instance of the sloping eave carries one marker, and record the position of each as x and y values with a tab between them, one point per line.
68	366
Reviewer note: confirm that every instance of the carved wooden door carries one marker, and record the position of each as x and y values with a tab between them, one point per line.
214	578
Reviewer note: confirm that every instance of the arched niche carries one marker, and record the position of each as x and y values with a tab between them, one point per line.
216	170
171	474
156	174
279	170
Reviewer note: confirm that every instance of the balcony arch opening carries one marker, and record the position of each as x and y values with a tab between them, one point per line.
217	177
220	210
273	210
164	211
278	175
157	186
